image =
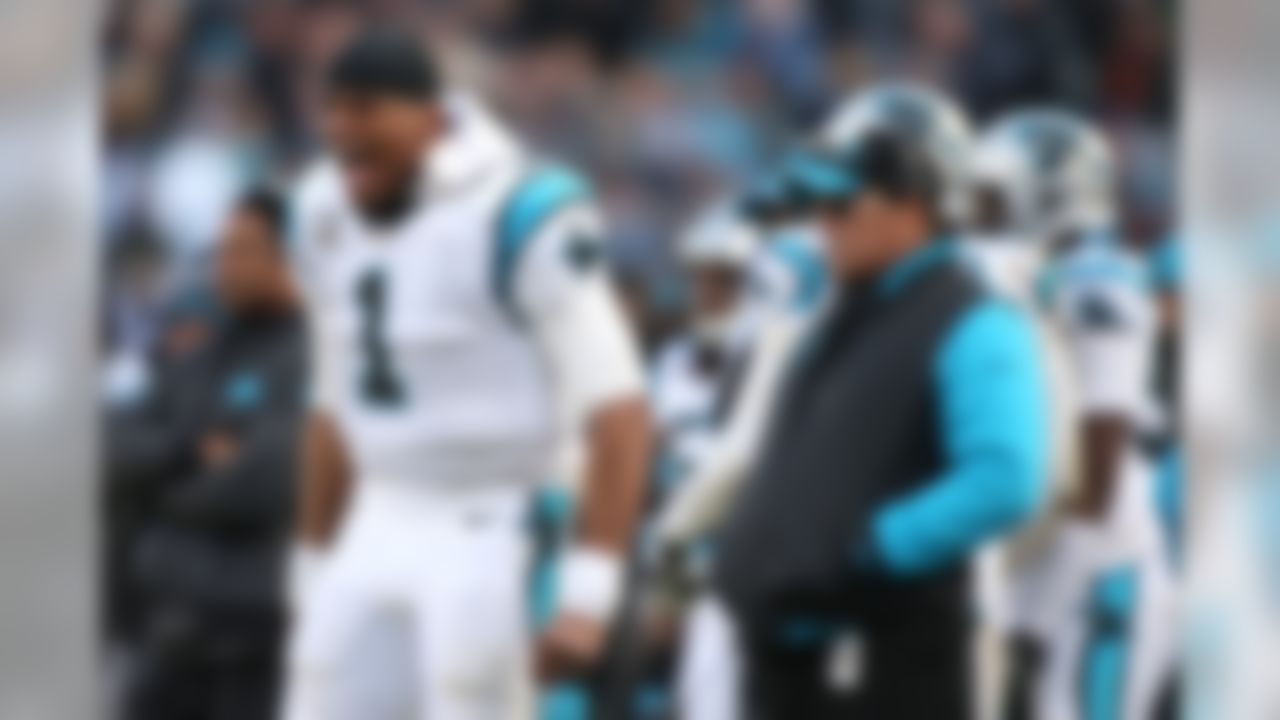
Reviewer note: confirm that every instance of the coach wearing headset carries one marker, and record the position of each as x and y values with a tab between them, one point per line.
913	428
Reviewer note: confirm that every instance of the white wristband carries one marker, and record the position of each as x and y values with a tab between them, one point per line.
591	583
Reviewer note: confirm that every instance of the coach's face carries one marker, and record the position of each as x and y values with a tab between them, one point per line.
869	231
379	140
250	270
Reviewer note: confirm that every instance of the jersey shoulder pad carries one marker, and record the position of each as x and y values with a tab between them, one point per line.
1102	264
538	195
1105	288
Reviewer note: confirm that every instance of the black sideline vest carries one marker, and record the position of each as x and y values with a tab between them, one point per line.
857	425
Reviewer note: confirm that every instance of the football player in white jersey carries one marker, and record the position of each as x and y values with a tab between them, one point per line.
716	254
788	283
1090	598
463	330
688	384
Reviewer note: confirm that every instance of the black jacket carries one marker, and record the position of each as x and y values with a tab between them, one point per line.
913	428
211	538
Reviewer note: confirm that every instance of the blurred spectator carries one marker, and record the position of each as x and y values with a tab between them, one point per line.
1013	52
200	491
199	172
1138	77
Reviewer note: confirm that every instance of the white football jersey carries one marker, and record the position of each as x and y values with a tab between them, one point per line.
421	329
1098	299
684	403
1098	295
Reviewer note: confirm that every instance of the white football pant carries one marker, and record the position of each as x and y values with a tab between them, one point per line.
708	683
419	612
1101	606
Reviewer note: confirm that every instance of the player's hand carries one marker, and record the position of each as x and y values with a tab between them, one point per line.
570	645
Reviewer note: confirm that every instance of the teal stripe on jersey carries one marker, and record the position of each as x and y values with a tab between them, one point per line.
537	198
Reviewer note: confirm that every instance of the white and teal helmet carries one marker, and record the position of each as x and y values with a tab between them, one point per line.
1049	170
897	136
719	239
719	236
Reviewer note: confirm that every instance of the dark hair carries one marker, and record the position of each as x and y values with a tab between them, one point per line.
268	205
387	60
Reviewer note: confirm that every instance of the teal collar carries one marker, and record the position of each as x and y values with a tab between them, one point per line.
907	269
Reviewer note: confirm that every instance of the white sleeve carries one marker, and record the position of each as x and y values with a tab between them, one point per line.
563	293
306	226
1108	336
701	501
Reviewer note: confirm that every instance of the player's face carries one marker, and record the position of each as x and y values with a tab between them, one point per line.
991	212
249	266
379	140
715	290
867	232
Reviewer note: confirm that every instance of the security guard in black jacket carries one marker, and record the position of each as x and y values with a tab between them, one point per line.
208	459
912	429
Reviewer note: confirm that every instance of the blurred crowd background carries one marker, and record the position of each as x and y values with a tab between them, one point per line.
665	104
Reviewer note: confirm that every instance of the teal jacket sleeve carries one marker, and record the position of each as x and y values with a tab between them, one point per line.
993	401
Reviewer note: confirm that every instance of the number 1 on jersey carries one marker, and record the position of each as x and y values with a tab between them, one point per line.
379	384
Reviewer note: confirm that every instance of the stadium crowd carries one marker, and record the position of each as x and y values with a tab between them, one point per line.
664	104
